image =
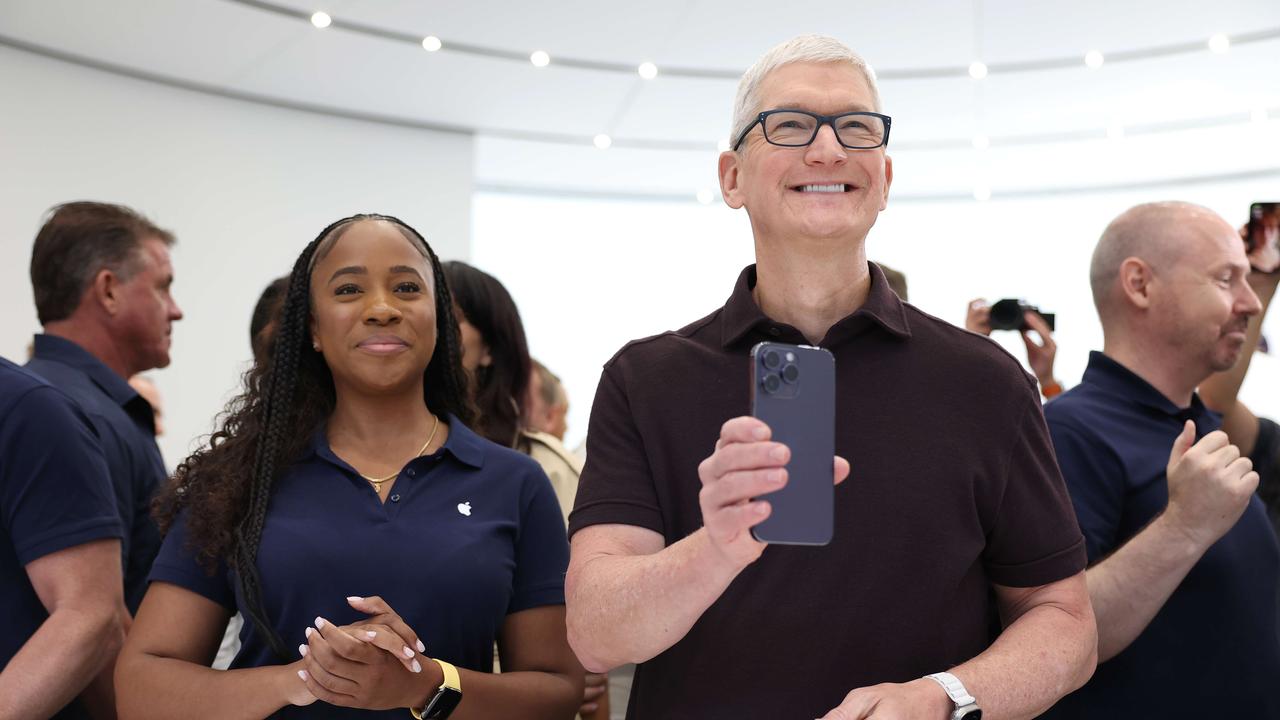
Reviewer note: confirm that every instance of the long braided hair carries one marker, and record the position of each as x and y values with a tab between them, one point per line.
225	487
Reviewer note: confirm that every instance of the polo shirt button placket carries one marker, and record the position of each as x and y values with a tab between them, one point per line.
412	472
395	498
775	331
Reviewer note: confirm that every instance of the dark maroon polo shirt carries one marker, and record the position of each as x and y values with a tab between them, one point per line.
954	487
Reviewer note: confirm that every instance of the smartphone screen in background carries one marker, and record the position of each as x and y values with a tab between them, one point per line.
1264	225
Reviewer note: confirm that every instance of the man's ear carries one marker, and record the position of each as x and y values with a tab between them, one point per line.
730	169
888	180
104	292
1135	282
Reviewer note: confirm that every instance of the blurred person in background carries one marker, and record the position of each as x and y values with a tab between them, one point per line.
146	387
1041	348
495	355
548	408
61	591
348	542
101	275
266	313
1184	565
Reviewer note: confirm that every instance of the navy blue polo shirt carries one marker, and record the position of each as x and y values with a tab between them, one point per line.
54	495
469	535
125	425
1212	651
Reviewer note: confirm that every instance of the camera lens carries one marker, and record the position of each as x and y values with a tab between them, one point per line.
771	383
772	360
791	373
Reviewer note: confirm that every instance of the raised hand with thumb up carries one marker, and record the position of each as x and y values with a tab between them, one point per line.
1210	484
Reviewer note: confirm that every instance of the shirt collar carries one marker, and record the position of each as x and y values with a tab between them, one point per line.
52	348
1116	379
464	445
883	308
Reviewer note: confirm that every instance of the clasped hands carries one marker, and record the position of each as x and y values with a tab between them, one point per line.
377	664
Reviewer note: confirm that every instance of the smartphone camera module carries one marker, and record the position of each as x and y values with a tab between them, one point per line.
772	360
791	373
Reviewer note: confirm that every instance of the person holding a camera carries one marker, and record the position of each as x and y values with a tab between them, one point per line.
1008	314
1183	563
954	512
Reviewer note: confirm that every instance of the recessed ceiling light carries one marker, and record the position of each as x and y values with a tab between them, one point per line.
1219	43
321	20
723	145
977	69
981	142
706	197
1094	59
982	192
602	141
648	70
540	59
431	43
1259	115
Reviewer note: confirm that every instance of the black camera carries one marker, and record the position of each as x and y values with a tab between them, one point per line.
1008	314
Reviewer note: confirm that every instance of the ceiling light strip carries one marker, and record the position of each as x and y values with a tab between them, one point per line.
926	73
965	143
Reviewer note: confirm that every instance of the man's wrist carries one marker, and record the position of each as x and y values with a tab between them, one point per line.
1049	387
938	702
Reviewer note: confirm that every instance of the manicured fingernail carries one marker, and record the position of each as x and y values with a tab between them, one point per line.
354	598
421	648
319	623
761	433
779	453
408	652
371	634
308	632
302	674
417	667
302	650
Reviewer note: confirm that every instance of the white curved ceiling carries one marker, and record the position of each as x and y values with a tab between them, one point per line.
1184	115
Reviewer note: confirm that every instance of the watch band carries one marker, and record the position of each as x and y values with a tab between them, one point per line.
450	684
953	686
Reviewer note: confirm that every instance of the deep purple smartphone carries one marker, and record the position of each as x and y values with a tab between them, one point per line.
1264	225
793	390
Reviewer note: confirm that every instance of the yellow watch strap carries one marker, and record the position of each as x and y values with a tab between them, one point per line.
451	679
451	682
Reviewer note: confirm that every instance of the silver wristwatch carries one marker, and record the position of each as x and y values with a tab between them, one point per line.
966	706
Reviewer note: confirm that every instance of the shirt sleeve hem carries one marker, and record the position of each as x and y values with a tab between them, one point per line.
67	536
616	513
1058	566
187	579
537	597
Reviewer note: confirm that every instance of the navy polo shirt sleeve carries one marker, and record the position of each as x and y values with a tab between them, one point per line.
542	551
1035	539
177	564
1094	477
56	490
617	482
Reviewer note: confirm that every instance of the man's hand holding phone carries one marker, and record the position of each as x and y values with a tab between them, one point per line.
745	465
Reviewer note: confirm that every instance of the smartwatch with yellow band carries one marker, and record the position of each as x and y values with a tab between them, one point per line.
448	695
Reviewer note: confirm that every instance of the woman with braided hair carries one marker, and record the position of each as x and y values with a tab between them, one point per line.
375	570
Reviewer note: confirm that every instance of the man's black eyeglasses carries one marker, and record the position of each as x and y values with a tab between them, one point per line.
798	128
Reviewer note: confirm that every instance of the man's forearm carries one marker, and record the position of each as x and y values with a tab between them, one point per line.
1130	586
1046	653
58	662
625	609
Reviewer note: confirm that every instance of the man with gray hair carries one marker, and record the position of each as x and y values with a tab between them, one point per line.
1183	564
954	512
101	276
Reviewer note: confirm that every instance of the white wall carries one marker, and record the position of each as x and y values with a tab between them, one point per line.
244	187
589	275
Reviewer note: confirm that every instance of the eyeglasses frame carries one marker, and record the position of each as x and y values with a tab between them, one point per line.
822	120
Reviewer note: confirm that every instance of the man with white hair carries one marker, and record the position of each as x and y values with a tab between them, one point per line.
954	511
1183	563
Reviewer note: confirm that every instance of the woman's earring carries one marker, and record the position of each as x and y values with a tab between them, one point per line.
315	345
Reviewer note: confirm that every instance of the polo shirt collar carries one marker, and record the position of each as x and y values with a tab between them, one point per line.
61	350
883	309
464	445
1118	380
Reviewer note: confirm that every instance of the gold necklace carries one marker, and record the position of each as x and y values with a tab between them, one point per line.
377	482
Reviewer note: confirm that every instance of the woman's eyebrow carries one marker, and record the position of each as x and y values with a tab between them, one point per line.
350	270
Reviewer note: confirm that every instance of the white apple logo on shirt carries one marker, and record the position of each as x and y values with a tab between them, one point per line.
465	508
